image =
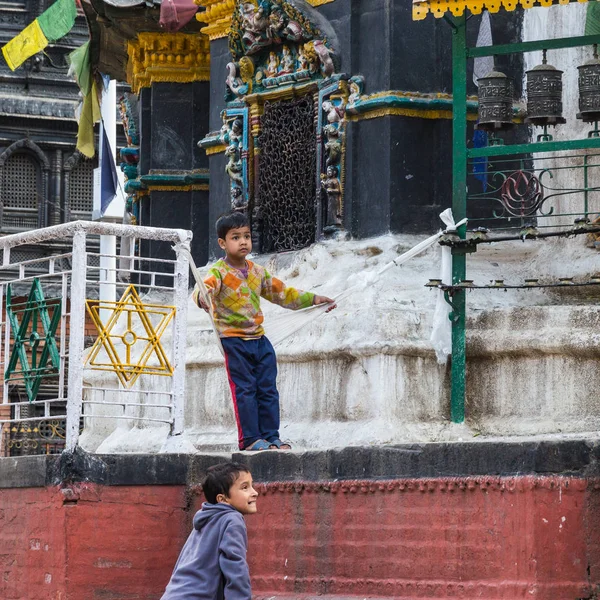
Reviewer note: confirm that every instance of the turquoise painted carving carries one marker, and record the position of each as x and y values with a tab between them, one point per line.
43	349
274	45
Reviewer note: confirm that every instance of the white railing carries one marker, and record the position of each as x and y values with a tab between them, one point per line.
157	300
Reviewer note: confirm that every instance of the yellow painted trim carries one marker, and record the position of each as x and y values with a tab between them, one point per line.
217	16
215	149
406	112
199	187
421	8
283	93
167	57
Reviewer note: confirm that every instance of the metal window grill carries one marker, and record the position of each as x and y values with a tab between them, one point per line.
20	187
287	169
135	307
81	189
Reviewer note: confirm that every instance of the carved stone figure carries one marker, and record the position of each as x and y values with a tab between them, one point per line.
303	64
334	113
288	63
356	85
237	198
236	132
312	57
282	28
234	81
255	22
333	145
324	54
234	165
231	132
273	65
276	25
330	183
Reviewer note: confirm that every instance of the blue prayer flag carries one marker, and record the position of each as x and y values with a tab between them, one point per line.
108	175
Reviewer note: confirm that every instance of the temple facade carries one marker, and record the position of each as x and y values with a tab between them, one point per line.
444	417
275	108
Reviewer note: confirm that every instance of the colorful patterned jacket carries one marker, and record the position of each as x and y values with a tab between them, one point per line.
236	300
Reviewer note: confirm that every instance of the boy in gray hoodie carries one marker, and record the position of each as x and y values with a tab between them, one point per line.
212	564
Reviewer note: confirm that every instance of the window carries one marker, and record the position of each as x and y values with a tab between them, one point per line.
81	190
21	190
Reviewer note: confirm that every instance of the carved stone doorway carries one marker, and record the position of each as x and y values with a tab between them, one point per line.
285	206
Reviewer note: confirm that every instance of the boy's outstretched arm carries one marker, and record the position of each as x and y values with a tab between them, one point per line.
274	290
233	564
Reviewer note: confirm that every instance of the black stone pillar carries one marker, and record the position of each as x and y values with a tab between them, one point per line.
219	181
173	117
398	168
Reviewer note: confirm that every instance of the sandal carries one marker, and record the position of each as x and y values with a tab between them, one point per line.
277	444
257	446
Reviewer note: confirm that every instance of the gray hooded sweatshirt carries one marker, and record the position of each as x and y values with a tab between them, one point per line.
212	564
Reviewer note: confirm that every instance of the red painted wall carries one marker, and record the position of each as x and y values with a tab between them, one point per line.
452	538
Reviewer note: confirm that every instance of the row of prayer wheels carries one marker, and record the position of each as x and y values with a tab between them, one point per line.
544	96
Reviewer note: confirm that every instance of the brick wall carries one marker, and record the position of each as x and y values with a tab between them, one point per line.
466	537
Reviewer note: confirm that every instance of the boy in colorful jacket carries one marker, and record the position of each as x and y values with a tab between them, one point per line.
236	285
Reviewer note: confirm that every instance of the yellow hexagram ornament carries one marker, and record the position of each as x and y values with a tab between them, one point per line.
129	351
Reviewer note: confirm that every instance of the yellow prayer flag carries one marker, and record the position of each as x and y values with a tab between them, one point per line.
29	42
90	113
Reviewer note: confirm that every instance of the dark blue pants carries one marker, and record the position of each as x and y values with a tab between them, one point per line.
252	371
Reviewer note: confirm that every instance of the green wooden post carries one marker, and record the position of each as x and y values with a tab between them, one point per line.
459	209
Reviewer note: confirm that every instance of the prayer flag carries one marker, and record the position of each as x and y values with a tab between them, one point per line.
80	68
90	113
51	25
29	42
108	175
58	20
175	14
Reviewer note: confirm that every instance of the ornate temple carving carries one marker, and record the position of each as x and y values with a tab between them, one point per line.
281	62
332	139
174	57
217	17
130	156
219	13
234	138
273	45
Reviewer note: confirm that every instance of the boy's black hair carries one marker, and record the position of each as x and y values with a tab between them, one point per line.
231	220
219	479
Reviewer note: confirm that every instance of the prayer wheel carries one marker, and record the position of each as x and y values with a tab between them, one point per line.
589	90
544	95
495	102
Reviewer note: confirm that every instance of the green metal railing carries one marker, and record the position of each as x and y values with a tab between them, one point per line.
461	201
489	208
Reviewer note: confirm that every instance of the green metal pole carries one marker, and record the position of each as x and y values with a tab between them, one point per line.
459	209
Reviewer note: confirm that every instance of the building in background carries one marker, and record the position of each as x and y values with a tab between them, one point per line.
43	179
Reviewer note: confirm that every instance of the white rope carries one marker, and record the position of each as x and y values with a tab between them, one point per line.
204	293
281	327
